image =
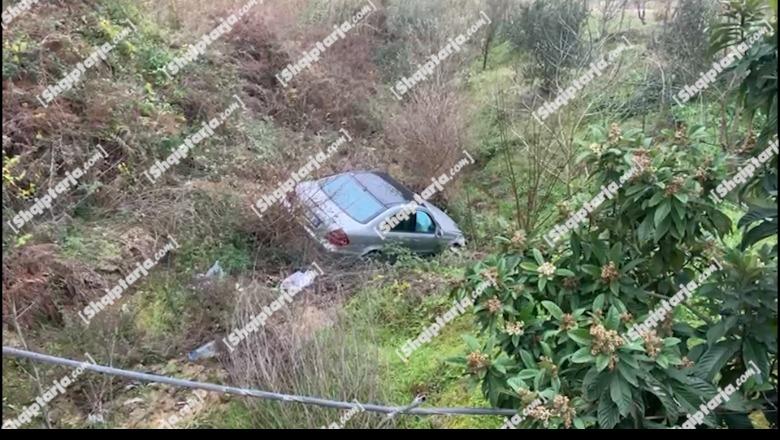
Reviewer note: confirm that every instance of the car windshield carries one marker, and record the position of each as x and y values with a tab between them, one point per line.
352	198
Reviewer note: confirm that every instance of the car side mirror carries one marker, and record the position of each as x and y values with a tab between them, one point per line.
439	232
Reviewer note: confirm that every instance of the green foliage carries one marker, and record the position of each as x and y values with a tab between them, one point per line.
744	297
233	253
550	31
89	246
556	322
758	68
160	308
739	19
264	140
18	56
393	59
757	93
760	221
684	40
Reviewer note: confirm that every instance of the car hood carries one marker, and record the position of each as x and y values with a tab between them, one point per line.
447	224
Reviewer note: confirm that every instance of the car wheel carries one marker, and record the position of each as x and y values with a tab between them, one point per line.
374	255
381	257
457	248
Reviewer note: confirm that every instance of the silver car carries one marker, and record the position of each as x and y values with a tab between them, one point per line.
360	212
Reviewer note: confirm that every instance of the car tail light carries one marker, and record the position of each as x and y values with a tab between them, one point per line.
338	237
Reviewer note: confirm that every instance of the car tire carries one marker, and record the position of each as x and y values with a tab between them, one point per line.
374	255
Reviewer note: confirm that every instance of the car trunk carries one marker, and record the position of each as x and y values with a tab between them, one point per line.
321	214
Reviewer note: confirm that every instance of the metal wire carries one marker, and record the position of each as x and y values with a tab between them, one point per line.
306	400
418	400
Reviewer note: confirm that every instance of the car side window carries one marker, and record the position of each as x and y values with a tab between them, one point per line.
406	225
424	223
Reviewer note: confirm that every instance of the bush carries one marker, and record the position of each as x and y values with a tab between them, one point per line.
554	319
550	31
431	125
685	42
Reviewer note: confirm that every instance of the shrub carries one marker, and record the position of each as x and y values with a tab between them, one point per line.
685	43
554	319
550	32
431	125
315	356
757	93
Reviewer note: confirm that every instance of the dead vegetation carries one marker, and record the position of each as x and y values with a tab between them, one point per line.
432	124
115	218
305	349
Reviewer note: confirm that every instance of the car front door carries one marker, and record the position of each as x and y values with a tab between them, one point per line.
417	233
425	228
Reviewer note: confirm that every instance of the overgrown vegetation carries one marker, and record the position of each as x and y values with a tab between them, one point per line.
549	324
555	320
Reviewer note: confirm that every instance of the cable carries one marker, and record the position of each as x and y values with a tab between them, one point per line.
306	400
418	400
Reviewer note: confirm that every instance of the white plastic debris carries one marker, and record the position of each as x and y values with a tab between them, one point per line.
215	271
206	351
130	402
299	281
95	418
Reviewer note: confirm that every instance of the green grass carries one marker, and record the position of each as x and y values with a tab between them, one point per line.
233	415
427	371
398	317
385	316
233	251
159	306
89	245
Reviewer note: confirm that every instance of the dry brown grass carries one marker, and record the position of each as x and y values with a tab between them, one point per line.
305	349
46	284
428	133
200	16
43	285
329	95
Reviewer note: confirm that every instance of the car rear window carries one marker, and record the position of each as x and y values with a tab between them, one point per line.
386	193
352	198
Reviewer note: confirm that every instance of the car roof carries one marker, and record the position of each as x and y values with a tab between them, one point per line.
382	186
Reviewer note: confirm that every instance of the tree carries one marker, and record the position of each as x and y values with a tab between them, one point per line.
497	11
556	323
